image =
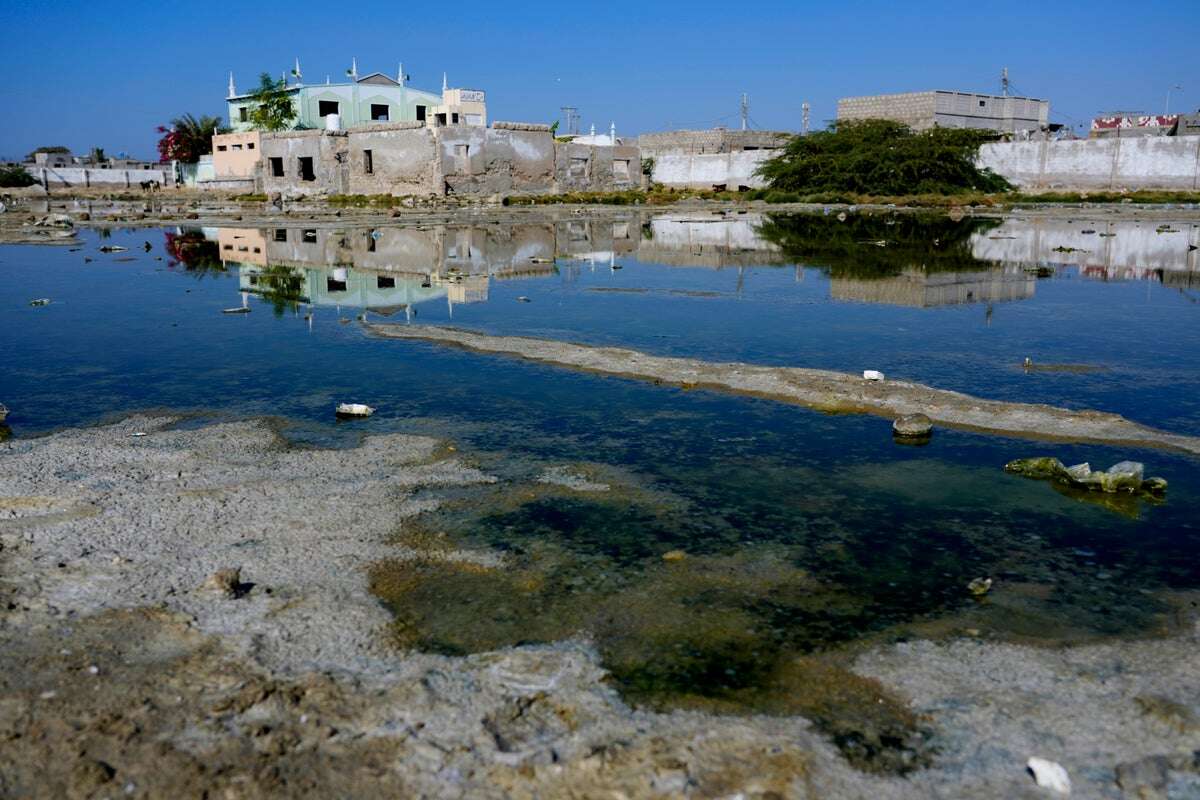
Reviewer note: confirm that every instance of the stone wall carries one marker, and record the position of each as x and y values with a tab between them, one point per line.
1114	164
729	170
596	168
403	160
717	140
329	151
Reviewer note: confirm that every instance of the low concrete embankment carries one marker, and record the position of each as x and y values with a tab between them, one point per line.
86	176
819	389
1171	162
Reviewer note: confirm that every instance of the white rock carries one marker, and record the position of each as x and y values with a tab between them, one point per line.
872	375
1049	775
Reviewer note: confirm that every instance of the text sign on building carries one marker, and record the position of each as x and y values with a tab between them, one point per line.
470	96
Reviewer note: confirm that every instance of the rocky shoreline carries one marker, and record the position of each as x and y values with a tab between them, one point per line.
126	671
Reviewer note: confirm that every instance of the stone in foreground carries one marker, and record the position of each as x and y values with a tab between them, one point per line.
1123	477
913	426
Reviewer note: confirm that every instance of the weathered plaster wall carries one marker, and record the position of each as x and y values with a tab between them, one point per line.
1148	163
328	150
403	160
595	168
235	155
731	170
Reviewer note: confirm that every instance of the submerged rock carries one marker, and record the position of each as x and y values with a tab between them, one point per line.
913	426
1123	477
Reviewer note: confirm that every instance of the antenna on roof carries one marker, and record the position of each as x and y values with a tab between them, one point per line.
232	88
1004	81
805	108
400	74
445	83
745	109
296	72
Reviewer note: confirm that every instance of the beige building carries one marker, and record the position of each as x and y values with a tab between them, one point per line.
236	155
942	109
461	107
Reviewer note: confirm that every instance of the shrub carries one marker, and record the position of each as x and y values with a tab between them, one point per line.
15	176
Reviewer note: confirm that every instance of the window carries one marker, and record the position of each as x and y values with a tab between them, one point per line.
578	168
333	285
454	119
420	113
249	145
379	112
309	235
326	107
281	234
385	283
306	168
220	148
276	167
982	103
237	147
368	162
243	114
621	170
226	247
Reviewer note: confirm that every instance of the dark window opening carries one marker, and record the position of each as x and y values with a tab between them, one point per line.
379	112
441	119
309	235
258	249
220	148
254	280
326	107
276	167
281	234
335	285
306	169
227	247
368	162
237	147
249	145
982	103
420	113
243	114
385	283
454	119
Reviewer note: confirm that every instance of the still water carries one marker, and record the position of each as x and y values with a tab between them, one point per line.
801	533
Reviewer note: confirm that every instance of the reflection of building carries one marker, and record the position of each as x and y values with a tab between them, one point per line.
921	289
707	240
1109	247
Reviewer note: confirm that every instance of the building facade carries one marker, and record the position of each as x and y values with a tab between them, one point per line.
716	140
366	100
944	109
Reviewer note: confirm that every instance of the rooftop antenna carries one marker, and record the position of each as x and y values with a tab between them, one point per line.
445	83
296	72
612	133
400	74
745	109
805	109
353	73
232	88
571	113
1004	81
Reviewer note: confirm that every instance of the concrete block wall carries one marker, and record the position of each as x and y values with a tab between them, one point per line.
915	109
717	140
1098	164
729	170
108	178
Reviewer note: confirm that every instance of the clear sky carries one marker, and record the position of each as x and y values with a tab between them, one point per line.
105	74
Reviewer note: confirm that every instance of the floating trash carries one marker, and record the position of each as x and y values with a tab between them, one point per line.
238	310
113	248
979	586
41	301
353	410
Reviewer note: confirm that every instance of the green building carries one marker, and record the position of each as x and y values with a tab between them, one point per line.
365	100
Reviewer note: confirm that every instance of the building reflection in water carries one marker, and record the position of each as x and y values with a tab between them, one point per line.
906	260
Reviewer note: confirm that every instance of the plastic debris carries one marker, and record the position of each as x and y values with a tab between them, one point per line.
137	434
872	375
1049	775
41	301
353	410
979	586
238	310
523	299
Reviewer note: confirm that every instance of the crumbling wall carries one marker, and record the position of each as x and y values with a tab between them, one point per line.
716	140
596	168
329	151
403	160
1098	164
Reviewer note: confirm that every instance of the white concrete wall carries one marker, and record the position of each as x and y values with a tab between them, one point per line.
80	176
714	169
1168	162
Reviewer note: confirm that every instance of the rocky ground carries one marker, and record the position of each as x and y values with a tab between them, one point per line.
186	612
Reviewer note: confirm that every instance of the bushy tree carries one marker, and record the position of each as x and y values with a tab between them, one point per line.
881	157
53	148
188	138
272	108
15	176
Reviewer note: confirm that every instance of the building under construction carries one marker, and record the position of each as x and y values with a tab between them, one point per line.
945	109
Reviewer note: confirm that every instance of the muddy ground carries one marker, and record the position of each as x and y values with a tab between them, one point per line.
126	670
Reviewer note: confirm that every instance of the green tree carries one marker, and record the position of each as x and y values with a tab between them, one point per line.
15	176
97	155
881	157
272	108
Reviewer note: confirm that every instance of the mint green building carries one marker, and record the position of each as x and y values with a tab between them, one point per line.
361	101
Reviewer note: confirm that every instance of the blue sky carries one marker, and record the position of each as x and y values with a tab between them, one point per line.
106	74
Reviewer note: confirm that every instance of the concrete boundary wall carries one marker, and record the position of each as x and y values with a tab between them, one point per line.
731	170
1169	162
86	176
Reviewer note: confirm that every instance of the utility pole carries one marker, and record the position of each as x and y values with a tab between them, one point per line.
805	108
1004	81
1167	107
745	109
571	120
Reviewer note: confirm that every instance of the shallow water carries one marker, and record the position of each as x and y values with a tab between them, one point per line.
789	532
